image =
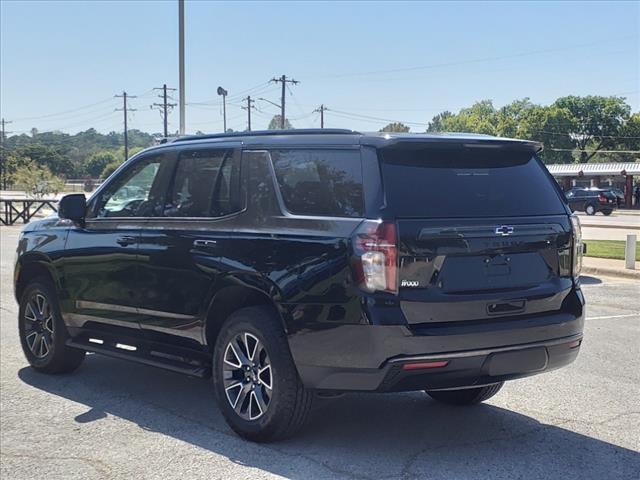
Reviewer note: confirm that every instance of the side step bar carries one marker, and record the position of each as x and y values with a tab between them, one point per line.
141	355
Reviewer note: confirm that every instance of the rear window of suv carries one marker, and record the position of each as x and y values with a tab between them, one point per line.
467	182
323	182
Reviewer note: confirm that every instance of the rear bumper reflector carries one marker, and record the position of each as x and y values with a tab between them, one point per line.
424	365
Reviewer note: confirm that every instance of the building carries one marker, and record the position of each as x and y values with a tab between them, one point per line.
619	175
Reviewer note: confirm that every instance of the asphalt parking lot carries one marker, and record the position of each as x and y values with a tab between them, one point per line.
113	419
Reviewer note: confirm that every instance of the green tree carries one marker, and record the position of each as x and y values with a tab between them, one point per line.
395	127
110	168
97	161
37	180
548	125
274	124
437	123
596	122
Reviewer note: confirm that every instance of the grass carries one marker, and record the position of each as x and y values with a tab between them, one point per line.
608	249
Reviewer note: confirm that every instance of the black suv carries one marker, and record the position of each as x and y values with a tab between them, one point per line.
592	200
288	263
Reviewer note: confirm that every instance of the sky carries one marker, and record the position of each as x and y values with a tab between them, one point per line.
61	63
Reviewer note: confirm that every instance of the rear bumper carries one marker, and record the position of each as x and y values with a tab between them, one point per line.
368	357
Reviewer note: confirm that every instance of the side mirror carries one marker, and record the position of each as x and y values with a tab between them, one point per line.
72	207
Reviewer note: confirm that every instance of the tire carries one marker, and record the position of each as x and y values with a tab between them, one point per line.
590	209
607	212
43	334
254	335
467	396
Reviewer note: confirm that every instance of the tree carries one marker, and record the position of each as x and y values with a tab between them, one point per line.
274	124
595	122
548	125
110	168
98	161
37	180
437	123
395	127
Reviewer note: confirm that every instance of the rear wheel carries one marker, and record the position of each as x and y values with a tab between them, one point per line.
590	209
467	396
256	383
607	212
43	334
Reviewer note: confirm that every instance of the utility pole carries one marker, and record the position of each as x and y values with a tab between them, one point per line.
3	165
165	107
283	79
321	109
221	91
181	63
125	109
248	108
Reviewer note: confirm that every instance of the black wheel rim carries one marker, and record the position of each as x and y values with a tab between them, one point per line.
247	376
38	325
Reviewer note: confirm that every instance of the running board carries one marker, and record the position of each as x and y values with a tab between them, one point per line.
140	355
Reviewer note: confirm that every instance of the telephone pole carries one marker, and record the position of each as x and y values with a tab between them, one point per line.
248	108
181	64
125	109
165	106
284	80
321	109
3	165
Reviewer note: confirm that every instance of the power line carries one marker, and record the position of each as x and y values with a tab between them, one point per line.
125	109
476	60
283	80
110	99
577	150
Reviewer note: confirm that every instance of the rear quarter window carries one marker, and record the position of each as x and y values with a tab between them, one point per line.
322	182
467	182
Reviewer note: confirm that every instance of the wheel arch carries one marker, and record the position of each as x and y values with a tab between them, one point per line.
231	299
31	266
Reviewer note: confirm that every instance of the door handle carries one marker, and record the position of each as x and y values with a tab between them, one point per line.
126	241
204	243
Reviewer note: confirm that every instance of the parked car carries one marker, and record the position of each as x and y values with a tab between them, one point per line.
283	264
592	200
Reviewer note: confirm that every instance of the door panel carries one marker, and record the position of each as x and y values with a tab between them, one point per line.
101	258
100	273
179	253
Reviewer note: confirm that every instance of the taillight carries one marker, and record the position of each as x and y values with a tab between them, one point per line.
577	246
376	256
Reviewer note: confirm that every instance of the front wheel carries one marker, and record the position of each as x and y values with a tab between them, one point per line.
467	396
590	209
255	380
607	212
43	334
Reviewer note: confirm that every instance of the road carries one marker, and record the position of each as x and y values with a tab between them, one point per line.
113	419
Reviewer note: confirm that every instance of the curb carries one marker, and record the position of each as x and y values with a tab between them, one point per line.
612	272
606	225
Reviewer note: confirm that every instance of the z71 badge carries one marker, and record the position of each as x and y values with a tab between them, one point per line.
410	283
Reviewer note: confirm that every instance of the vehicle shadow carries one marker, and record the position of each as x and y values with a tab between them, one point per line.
588	280
362	436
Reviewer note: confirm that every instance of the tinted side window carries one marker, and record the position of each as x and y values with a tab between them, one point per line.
135	193
320	182
205	184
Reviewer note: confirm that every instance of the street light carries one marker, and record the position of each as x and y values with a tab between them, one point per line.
223	93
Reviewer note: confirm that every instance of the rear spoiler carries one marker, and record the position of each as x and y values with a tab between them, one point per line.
454	142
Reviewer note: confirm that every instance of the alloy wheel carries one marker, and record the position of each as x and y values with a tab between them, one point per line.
38	325
247	376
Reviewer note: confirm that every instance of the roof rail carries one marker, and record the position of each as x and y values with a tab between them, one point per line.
266	133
